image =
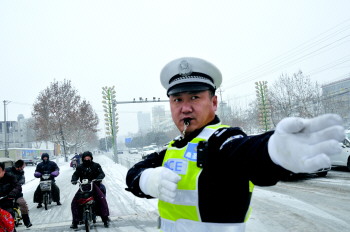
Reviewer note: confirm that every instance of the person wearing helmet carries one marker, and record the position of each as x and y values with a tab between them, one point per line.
47	167
92	171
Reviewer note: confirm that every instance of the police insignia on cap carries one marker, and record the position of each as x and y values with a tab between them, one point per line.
185	68
189	74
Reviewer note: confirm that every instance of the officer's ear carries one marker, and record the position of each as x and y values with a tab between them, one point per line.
215	102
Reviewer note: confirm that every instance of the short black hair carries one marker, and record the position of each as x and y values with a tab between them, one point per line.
2	165
19	163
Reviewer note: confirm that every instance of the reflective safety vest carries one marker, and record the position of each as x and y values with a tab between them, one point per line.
183	214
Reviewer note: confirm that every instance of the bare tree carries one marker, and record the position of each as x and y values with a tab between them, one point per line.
295	96
61	117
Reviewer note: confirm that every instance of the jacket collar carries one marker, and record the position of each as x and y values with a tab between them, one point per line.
182	141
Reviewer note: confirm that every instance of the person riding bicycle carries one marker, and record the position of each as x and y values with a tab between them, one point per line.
9	188
91	171
17	171
47	167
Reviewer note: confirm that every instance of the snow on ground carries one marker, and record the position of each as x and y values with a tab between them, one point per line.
126	210
284	207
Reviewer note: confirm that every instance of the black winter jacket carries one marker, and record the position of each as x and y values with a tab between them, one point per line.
46	168
9	186
90	172
19	176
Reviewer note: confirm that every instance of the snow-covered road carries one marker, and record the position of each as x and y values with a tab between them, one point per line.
126	210
320	204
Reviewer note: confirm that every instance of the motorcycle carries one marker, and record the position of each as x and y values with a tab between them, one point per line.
87	203
45	186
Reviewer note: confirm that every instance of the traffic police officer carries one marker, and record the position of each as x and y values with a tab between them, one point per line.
205	178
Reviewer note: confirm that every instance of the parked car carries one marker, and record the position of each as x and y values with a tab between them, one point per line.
7	161
343	158
29	161
133	151
147	150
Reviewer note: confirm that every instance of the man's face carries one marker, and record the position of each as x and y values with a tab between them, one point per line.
21	168
198	107
87	158
45	158
2	173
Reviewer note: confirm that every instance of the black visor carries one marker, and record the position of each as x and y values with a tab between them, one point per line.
189	87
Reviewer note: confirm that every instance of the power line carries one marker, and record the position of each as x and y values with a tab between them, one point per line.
282	60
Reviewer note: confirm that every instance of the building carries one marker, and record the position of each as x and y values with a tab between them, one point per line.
158	115
17	133
336	98
144	122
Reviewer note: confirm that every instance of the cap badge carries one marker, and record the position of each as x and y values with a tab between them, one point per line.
185	68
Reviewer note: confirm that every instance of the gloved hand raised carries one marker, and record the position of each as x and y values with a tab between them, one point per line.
160	182
303	145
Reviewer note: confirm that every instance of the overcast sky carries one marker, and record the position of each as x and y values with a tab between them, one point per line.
126	44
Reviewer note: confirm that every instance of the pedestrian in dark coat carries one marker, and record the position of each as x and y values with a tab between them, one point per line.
47	167
91	171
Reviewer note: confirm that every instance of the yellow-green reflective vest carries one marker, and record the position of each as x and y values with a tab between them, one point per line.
183	161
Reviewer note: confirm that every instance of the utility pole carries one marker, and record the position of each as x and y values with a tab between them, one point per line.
5	128
222	108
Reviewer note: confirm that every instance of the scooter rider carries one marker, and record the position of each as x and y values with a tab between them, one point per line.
17	171
9	188
47	167
91	171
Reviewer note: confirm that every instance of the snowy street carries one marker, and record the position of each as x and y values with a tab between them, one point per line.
308	204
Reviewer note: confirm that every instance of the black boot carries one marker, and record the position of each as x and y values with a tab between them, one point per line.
39	205
26	220
105	221
74	225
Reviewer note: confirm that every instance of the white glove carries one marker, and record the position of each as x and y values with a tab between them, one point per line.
159	182
303	145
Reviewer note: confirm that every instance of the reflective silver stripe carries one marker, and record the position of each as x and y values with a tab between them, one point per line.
206	133
184	225
186	197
